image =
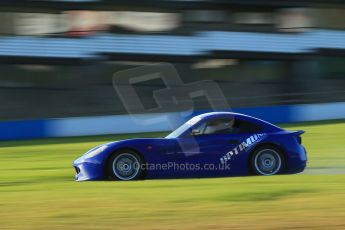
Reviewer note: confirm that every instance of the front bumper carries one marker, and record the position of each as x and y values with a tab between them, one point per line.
88	170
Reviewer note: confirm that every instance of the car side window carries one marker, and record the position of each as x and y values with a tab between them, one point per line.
241	126
218	126
226	126
215	126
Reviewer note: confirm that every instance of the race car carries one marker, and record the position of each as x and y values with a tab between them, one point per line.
216	144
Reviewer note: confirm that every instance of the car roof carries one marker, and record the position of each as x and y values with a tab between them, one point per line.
221	114
210	115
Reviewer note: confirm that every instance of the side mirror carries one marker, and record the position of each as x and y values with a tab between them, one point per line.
196	132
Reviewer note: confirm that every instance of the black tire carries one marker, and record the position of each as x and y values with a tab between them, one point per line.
125	165
267	161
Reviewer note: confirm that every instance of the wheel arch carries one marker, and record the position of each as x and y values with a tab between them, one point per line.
266	144
124	148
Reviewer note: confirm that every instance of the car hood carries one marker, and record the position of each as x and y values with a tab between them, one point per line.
137	141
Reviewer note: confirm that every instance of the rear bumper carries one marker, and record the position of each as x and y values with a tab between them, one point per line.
297	161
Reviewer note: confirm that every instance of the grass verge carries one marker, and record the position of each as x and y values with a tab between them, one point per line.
37	191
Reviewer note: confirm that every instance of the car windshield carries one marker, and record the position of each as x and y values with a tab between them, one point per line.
183	127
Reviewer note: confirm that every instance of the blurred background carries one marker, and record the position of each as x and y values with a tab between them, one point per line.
283	61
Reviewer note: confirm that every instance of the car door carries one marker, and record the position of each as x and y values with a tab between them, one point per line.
204	148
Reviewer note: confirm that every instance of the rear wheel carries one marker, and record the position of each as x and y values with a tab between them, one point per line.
267	161
125	165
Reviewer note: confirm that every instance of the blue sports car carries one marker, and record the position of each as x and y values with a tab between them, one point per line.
213	144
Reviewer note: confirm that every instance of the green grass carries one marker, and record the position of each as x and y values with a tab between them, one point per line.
37	191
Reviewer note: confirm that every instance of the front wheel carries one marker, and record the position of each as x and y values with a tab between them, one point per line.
267	161
125	165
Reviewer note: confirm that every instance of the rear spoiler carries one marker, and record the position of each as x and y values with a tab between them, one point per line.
298	133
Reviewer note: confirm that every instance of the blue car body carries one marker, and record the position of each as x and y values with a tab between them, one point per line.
214	155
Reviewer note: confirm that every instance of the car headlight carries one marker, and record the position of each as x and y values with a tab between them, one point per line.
95	151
